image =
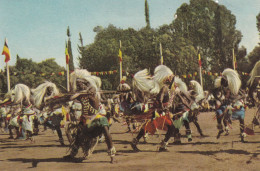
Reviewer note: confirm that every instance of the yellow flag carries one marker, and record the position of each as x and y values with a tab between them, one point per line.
120	55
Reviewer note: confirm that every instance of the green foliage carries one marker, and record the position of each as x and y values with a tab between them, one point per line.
202	26
211	27
68	32
254	56
71	62
258	22
80	39
32	74
147	18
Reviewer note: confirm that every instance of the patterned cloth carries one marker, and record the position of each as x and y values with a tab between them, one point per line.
87	109
239	110
179	122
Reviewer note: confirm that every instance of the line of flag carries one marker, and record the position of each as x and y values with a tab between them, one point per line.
103	73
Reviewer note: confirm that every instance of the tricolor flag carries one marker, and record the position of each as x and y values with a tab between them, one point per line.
199	61
67	55
6	52
120	55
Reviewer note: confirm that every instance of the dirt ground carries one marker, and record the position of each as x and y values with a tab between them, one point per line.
208	153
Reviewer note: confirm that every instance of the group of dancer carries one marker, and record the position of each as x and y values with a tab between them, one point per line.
161	101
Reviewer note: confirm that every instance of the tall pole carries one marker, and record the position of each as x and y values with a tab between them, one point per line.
120	62
67	67
161	54
8	76
234	59
201	82
68	77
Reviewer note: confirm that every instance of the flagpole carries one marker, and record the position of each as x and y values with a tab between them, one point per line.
161	54
67	67
234	62
68	77
120	63
8	76
7	54
201	82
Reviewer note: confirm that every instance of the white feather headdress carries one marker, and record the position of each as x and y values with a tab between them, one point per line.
19	93
198	89
180	84
85	75
78	73
161	72
39	92
232	77
217	82
143	81
254	73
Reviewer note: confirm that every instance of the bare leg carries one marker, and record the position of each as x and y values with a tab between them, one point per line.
111	148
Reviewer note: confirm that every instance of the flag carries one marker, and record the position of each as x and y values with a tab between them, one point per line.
67	55
120	55
199	61
6	52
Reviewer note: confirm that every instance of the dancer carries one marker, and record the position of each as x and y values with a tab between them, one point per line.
91	126
231	106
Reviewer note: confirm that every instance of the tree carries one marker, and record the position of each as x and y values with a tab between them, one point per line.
80	47
211	27
258	22
254	56
71	62
32	74
201	25
147	18
80	39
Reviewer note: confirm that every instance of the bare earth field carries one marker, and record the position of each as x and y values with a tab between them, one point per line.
208	153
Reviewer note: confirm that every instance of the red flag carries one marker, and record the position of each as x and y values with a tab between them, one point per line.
6	52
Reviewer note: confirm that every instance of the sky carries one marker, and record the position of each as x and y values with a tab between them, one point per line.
36	29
